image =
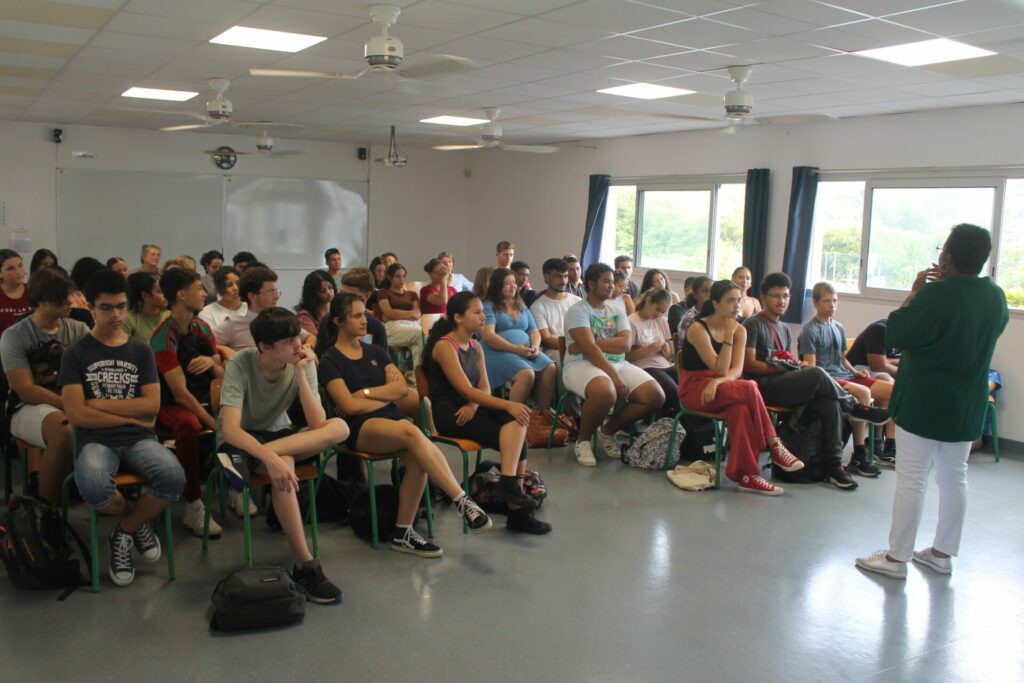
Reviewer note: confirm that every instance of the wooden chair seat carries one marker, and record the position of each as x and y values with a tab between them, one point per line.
129	479
467	445
779	409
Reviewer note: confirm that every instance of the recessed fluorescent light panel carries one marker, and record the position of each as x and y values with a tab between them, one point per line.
645	91
455	121
262	39
157	94
925	52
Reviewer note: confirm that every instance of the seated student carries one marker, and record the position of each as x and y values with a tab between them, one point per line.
243	260
621	293
118	265
769	340
651	347
229	303
400	311
749	305
258	288
684	315
712	358
550	306
380	272
995	383
821	343
188	361
459	281
624	265
42	258
574	285
358	281
111	394
521	269
38	416
13	290
655	279
390	258
505	253
332	257
147	307
512	346
463	406
149	259
482	280
364	384
211	261
598	336
253	430
317	291
871	353
434	296
80	274
688	286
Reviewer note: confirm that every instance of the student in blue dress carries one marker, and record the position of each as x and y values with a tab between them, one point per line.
512	345
365	385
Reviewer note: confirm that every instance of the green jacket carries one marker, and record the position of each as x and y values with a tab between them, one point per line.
947	335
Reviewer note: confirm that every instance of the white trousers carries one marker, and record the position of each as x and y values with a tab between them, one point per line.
407	334
914	460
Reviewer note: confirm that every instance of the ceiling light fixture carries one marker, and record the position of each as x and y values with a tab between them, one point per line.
158	94
925	52
263	39
645	91
454	121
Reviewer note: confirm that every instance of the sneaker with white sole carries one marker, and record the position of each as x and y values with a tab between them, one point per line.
147	543
609	444
236	470
195	516
879	563
786	461
758	484
122	568
476	519
407	540
236	501
585	454
939	565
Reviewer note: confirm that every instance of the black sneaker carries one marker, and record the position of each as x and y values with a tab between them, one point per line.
859	464
234	466
863	413
523	521
514	498
310	578
475	517
147	543
409	541
841	479
122	569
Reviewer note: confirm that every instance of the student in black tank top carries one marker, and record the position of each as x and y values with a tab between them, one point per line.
364	384
464	407
711	381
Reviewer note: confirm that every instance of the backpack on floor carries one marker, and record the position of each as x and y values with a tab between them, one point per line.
698	440
261	597
34	548
333	501
484	482
649	449
387	512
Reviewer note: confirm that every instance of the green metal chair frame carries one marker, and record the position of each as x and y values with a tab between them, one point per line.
6	453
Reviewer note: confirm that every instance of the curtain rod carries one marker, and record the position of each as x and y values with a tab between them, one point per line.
657	178
929	169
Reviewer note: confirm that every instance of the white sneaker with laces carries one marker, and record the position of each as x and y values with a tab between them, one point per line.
609	444
235	499
585	454
879	563
939	565
195	514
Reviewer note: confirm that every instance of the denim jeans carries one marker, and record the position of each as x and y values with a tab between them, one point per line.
97	465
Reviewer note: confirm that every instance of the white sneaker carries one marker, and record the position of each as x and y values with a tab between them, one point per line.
880	564
195	513
940	565
609	444
585	454
235	500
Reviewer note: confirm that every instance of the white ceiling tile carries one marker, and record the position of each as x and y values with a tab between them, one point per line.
338	48
55	34
819	86
963	17
164	27
231	53
881	8
885	31
547	33
777	50
104	4
993	97
770	91
699	33
450	17
227	11
751	18
1004	40
897	77
277	18
517	73
487	49
773	73
948	88
837	39
810	12
564	60
588	82
913	104
627	47
872	95
811	103
838	64
717	82
525	7
469	83
83	67
105	54
128	41
32	61
640	71
701	60
696	8
617	16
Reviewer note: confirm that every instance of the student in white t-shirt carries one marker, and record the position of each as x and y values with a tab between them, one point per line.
652	345
599	335
229	302
551	305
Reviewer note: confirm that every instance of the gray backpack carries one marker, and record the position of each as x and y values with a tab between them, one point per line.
648	449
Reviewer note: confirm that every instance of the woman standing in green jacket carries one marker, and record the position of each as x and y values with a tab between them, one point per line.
947	329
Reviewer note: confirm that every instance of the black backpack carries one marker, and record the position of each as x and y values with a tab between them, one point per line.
802	434
387	512
484	483
698	439
34	548
261	597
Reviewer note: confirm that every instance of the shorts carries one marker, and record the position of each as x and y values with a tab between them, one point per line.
863	381
578	375
245	463
877	375
27	423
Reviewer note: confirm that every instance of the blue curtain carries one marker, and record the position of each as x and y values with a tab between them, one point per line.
798	240
755	224
594	231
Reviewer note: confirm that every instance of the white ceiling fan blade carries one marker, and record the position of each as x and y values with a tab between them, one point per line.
191	114
298	73
452	148
797	119
264	124
438	65
681	117
187	126
535	149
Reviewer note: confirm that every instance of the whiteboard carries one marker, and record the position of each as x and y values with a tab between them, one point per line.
113	213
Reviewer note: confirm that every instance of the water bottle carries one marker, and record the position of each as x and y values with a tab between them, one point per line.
21	241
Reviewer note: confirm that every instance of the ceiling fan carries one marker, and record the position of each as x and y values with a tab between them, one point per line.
490	138
385	54
265	146
219	111
739	107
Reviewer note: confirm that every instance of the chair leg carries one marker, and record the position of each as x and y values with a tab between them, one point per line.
479	455
65	502
718	454
94	540
871	443
374	531
554	423
8	486
312	518
995	431
24	472
169	533
247	527
672	439
430	510
465	484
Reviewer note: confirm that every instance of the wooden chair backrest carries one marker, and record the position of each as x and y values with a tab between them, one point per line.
561	350
422	384
427	321
215	388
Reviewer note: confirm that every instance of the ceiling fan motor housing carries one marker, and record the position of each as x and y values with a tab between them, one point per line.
738	102
219	108
384	51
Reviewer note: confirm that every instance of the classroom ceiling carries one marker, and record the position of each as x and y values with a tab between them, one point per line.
542	61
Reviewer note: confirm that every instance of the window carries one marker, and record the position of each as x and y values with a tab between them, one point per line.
674	229
732	199
620	214
836	242
1010	272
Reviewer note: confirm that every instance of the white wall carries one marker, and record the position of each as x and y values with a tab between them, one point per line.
540	201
